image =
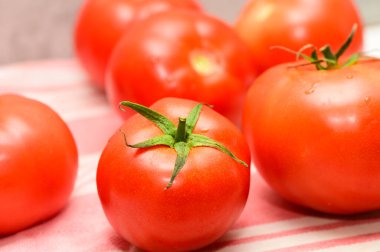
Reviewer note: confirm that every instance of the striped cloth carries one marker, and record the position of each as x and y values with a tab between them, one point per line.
267	223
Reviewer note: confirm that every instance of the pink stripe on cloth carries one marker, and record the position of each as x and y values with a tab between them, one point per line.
81	226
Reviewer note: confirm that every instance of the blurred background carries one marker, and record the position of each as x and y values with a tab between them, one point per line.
40	29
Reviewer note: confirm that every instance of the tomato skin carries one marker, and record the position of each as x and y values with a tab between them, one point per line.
38	163
101	23
314	135
205	199
294	24
158	58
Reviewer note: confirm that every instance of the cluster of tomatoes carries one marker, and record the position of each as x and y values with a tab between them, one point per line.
176	175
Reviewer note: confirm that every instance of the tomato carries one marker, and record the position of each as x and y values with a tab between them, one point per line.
314	135
181	54
153	210
293	24
101	23
38	163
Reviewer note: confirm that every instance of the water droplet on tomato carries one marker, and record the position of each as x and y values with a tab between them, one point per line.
203	130
310	91
312	88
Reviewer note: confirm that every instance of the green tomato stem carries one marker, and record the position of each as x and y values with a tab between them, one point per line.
329	60
181	134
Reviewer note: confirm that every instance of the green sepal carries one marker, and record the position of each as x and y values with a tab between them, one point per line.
330	60
352	60
347	43
316	61
197	140
166	140
183	150
329	56
163	123
192	118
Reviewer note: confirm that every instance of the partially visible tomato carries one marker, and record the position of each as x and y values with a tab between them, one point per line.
101	23
205	198
293	24
181	54
38	163
315	135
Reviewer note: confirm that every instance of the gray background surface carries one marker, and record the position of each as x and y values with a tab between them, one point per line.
39	29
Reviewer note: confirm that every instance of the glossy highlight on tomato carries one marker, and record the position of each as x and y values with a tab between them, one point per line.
38	163
101	23
181	54
293	24
205	198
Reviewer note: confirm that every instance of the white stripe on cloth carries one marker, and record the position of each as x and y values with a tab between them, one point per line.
368	246
276	227
310	237
44	74
86	180
73	104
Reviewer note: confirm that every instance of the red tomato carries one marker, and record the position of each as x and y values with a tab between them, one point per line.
181	54
205	198
38	163
101	23
293	24
314	135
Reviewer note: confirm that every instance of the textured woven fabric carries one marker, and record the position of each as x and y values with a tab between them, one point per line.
267	224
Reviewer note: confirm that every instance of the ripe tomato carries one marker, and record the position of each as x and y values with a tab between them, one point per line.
153	210
38	163
293	24
101	23
314	135
181	54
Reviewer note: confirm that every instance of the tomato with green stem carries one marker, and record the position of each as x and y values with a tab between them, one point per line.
314	131
38	163
172	188
101	23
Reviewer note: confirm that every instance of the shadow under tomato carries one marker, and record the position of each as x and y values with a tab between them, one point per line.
120	244
34	225
277	201
264	206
